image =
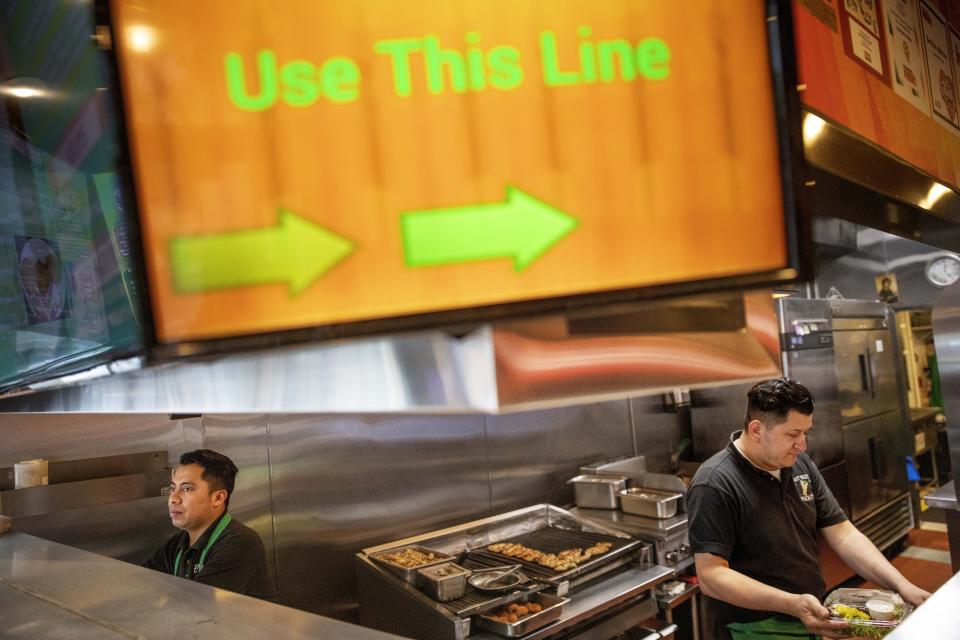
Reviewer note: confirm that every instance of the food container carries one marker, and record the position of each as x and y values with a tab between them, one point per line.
444	582
650	502
871	613
493	580
597	492
394	561
30	473
551	611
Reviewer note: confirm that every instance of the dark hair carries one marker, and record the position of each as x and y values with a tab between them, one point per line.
770	401
219	472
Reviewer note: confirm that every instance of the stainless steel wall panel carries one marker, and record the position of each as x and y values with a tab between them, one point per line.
409	373
656	432
59	436
244	439
851	276
533	454
192	436
130	531
907	259
852	272
714	415
341	483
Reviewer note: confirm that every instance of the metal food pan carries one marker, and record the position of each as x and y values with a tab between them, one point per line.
551	612
444	582
409	574
650	502
597	492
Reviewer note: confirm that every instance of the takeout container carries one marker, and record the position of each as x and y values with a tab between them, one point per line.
652	503
444	582
551	612
409	574
879	612
597	492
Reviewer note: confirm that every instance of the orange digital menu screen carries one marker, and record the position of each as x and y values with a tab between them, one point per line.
314	163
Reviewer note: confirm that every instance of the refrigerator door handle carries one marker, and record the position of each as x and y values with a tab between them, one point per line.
871	375
882	458
864	373
874	447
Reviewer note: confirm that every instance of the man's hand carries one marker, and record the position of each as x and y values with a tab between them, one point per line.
913	594
816	618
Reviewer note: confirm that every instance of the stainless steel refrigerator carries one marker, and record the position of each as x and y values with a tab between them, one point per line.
874	419
807	355
806	348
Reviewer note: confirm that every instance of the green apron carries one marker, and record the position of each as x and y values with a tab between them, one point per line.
770	629
203	554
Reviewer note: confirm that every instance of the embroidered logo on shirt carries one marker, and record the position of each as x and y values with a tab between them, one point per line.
803	486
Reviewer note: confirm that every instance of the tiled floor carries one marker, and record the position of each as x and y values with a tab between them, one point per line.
925	561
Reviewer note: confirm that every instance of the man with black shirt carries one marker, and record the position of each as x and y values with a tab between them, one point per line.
211	547
754	511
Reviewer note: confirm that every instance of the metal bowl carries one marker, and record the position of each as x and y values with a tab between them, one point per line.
489	581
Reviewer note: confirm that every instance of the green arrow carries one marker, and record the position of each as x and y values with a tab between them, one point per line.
522	228
296	252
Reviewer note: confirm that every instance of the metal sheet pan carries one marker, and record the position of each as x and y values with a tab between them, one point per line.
551	612
409	574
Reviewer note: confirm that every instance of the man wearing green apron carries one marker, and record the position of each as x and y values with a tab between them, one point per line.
754	511
211	547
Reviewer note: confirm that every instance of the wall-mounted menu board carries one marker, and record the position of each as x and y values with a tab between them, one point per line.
887	70
326	162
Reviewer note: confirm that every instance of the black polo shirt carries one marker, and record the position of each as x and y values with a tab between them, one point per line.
236	562
765	528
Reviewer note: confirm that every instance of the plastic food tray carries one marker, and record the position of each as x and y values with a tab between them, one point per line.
862	608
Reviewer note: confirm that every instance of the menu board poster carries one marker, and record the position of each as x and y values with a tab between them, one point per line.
936	40
955	59
905	48
890	113
341	164
863	38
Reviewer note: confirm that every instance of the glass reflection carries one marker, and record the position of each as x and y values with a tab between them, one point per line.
67	292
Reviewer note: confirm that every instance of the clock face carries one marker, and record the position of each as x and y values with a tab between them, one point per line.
943	271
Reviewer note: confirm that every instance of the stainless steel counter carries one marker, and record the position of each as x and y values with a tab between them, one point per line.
938	617
946	498
943	498
49	590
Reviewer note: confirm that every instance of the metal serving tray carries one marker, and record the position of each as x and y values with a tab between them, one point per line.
649	502
551	612
597	492
409	574
444	582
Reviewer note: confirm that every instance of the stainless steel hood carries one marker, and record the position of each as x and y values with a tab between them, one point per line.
624	351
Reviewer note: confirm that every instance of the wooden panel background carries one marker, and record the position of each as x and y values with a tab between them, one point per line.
845	91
